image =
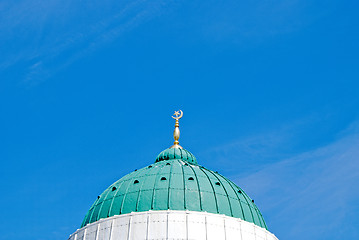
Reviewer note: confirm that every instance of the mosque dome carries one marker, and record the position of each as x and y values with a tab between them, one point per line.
174	182
173	198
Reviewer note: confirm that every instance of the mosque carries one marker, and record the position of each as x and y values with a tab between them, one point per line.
173	198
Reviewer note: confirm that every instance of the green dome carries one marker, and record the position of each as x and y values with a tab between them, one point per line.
174	182
176	153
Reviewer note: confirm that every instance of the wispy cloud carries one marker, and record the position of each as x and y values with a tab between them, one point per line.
50	36
253	152
312	195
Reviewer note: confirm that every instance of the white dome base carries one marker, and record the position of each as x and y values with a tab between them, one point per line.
179	225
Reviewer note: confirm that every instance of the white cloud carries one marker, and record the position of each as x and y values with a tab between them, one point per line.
312	195
50	33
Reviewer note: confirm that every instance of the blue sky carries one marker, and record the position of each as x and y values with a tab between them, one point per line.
269	91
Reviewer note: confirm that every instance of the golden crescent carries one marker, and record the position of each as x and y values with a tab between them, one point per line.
180	116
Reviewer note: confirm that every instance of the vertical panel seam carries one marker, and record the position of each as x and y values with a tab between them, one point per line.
199	190
235	192
125	193
229	202
167	225
184	186
129	227
113	199
104	199
85	232
169	186
224	226
245	197
148	224
97	230
206	225
155	184
111	229
214	192
139	191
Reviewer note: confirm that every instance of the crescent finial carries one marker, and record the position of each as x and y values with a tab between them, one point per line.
176	132
180	113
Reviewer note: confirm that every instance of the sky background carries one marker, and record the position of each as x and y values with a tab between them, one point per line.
269	91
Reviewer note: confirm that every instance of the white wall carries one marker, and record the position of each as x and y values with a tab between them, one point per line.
153	225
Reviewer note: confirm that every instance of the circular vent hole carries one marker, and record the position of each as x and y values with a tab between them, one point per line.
149	166
186	164
252	201
168	164
163	178
190	178
136	181
239	191
114	188
217	183
98	197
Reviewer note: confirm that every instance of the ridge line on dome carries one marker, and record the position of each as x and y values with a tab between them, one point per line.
199	190
184	185
262	219
239	199
105	198
214	191
257	212
84	221
169	186
236	193
140	191
153	172
246	197
125	194
94	205
229	202
115	194
102	203
154	186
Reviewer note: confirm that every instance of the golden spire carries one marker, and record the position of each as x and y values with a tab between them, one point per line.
176	132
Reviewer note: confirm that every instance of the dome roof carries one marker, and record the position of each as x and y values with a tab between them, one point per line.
177	153
176	182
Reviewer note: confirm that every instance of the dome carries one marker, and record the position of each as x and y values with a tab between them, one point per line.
174	182
177	153
173	198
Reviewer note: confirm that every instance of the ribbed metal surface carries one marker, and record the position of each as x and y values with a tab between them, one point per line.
176	153
174	184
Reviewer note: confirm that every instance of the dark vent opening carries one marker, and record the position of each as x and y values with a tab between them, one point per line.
136	181
239	191
190	178
114	188
252	201
168	164
98	197
217	183
149	166
163	178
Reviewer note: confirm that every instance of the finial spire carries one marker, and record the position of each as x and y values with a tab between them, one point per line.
176	132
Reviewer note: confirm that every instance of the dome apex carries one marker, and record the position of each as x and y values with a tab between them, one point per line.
176	153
